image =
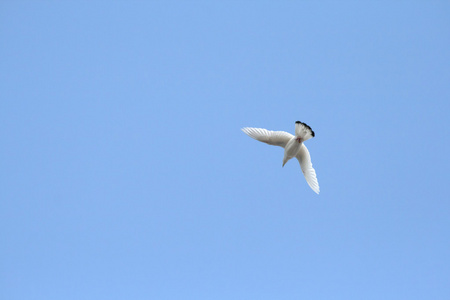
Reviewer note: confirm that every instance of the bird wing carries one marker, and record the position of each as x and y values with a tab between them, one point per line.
276	138
305	163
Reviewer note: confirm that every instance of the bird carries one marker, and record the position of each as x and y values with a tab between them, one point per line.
293	147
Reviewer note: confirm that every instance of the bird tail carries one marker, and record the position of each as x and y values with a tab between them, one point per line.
303	131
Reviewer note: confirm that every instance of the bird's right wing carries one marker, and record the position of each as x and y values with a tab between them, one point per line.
276	138
305	163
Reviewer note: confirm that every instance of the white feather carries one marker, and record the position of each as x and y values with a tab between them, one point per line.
305	163
275	138
293	147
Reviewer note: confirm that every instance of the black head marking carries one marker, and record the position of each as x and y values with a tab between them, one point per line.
307	126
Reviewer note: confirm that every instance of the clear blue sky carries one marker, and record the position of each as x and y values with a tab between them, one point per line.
125	175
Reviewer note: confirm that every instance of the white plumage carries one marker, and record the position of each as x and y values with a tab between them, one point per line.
293	147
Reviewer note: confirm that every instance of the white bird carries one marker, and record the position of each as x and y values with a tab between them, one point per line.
293	147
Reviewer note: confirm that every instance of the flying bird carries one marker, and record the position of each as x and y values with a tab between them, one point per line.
293	147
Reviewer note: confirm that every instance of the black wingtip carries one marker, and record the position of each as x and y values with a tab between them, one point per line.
307	126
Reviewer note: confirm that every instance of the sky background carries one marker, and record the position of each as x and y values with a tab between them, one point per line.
125	175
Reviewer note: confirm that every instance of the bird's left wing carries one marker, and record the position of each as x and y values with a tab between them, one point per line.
305	163
276	138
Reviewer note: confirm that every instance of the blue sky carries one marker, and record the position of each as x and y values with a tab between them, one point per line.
125	175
